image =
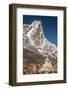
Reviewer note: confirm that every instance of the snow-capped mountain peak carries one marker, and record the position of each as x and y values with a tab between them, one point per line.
35	40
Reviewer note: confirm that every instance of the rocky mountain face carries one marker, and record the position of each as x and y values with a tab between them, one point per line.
37	49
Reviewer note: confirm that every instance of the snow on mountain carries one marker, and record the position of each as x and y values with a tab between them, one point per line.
34	39
37	49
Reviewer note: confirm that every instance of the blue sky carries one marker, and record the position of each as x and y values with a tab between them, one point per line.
49	24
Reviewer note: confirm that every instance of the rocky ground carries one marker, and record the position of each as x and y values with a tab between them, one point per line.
36	63
36	69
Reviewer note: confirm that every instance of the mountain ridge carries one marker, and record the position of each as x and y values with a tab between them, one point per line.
36	47
34	37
